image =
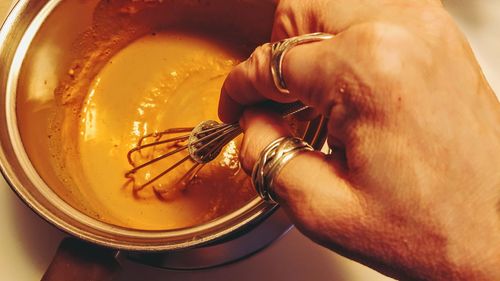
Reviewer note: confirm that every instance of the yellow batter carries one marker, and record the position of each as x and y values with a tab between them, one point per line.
163	80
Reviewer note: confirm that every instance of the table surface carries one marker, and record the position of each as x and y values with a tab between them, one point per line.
28	243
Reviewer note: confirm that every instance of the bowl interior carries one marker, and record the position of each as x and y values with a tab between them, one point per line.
81	36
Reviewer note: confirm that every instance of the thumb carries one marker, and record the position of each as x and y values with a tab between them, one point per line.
312	187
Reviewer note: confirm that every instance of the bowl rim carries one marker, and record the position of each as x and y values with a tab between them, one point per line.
25	181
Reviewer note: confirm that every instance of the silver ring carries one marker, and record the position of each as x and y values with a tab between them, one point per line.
280	48
272	159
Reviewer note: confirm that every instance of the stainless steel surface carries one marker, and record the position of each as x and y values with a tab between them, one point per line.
37	47
225	252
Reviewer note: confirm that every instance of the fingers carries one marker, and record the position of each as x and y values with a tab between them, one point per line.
249	83
229	109
293	18
312	188
261	128
315	191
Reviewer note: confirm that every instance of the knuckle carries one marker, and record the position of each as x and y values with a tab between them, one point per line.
258	55
287	18
231	80
251	74
437	23
258	68
262	52
281	17
227	85
390	48
238	84
284	8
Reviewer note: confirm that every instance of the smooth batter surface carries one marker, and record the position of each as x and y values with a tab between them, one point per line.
163	80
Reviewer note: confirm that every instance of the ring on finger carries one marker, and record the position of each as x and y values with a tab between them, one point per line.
271	161
279	50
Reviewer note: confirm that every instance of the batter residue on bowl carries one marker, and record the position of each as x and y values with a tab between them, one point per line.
162	80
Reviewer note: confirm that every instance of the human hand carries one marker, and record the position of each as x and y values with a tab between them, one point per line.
412	188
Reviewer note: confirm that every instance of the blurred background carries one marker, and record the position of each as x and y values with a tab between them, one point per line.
28	243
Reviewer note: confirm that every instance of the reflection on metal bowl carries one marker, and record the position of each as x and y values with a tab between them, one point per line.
40	41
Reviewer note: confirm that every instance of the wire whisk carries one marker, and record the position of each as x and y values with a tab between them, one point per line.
203	143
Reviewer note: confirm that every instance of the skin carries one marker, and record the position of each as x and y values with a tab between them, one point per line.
412	188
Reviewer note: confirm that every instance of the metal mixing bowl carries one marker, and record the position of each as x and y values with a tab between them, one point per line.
40	41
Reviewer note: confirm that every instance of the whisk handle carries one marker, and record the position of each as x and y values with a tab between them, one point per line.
294	108
286	109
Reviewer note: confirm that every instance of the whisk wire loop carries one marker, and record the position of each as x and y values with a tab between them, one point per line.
204	142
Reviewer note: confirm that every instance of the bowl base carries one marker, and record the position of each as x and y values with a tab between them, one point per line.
221	253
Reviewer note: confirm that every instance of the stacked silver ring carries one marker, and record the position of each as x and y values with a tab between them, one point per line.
279	50
272	159
277	154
